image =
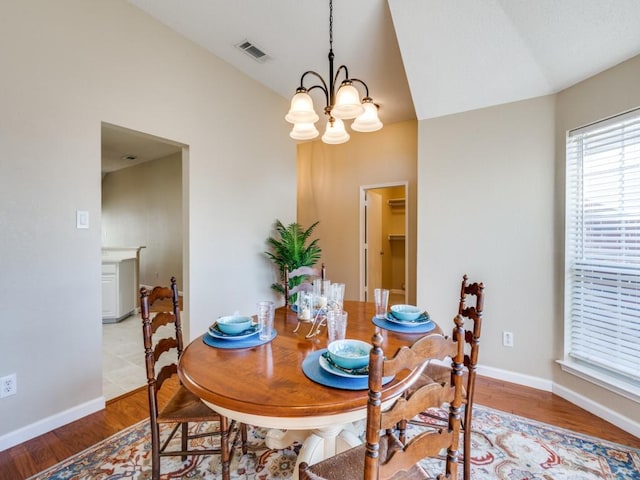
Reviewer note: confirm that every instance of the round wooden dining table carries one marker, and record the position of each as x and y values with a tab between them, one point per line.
265	385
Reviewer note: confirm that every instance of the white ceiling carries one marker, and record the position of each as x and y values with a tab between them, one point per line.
420	58
122	148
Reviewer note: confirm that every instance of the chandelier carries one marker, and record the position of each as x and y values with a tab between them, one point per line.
345	104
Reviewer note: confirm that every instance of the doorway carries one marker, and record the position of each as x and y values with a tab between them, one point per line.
142	211
383	241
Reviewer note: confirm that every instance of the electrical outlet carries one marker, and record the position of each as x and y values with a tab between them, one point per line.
507	339
8	385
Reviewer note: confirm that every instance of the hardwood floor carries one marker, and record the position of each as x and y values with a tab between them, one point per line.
33	456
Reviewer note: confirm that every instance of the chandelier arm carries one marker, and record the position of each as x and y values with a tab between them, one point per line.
346	75
322	87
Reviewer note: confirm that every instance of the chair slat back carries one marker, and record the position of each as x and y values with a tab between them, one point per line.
429	442
473	313
154	349
304	274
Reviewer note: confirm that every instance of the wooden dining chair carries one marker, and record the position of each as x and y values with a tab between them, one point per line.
183	407
301	279
470	308
385	456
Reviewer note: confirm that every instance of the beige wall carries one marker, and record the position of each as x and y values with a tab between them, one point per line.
491	204
142	205
329	182
486	182
68	66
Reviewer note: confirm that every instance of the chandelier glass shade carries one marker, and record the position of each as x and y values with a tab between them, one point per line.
335	132
343	104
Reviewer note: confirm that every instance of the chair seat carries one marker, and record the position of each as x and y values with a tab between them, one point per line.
350	464
184	406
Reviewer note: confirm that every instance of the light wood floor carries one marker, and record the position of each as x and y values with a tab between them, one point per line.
35	455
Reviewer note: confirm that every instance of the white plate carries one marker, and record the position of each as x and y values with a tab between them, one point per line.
215	332
325	365
421	320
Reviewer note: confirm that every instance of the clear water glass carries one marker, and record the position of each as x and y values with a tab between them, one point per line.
266	311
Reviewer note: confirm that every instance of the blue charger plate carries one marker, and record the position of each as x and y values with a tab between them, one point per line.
424	327
252	341
312	369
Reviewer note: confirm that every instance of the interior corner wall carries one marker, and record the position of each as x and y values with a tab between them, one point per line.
486	208
329	181
142	205
67	67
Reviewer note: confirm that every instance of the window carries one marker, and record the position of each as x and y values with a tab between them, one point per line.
602	247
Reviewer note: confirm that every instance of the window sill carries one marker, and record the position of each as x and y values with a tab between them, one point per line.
602	379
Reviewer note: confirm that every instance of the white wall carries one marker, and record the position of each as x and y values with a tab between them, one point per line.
142	205
68	66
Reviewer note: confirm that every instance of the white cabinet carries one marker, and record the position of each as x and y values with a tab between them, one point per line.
118	298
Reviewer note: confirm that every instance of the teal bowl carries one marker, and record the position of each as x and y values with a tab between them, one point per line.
349	353
405	312
234	324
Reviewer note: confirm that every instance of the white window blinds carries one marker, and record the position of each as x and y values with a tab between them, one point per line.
602	246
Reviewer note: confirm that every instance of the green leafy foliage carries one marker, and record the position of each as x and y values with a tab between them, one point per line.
292	251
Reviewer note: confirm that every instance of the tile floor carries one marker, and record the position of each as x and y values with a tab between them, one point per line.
122	357
123	368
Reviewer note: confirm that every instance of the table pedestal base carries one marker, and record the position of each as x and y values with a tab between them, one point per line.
317	444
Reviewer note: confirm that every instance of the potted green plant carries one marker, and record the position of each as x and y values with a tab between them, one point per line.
291	251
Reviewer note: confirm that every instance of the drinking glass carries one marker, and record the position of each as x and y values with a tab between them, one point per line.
382	299
337	294
336	325
266	310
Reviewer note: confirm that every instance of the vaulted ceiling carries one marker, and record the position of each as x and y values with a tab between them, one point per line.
420	58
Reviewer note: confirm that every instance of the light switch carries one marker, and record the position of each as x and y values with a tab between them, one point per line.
82	219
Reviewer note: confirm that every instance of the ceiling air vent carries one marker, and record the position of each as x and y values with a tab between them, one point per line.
254	52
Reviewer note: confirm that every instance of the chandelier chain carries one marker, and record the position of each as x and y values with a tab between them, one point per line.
330	24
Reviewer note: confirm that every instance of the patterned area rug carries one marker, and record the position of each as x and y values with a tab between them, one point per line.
505	447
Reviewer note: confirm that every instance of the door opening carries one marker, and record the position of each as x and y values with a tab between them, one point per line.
141	215
383	241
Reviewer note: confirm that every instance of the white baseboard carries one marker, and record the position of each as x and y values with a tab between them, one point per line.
519	378
50	423
619	420
597	409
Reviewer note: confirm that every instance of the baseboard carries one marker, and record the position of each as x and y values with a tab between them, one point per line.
518	378
617	419
597	409
50	423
